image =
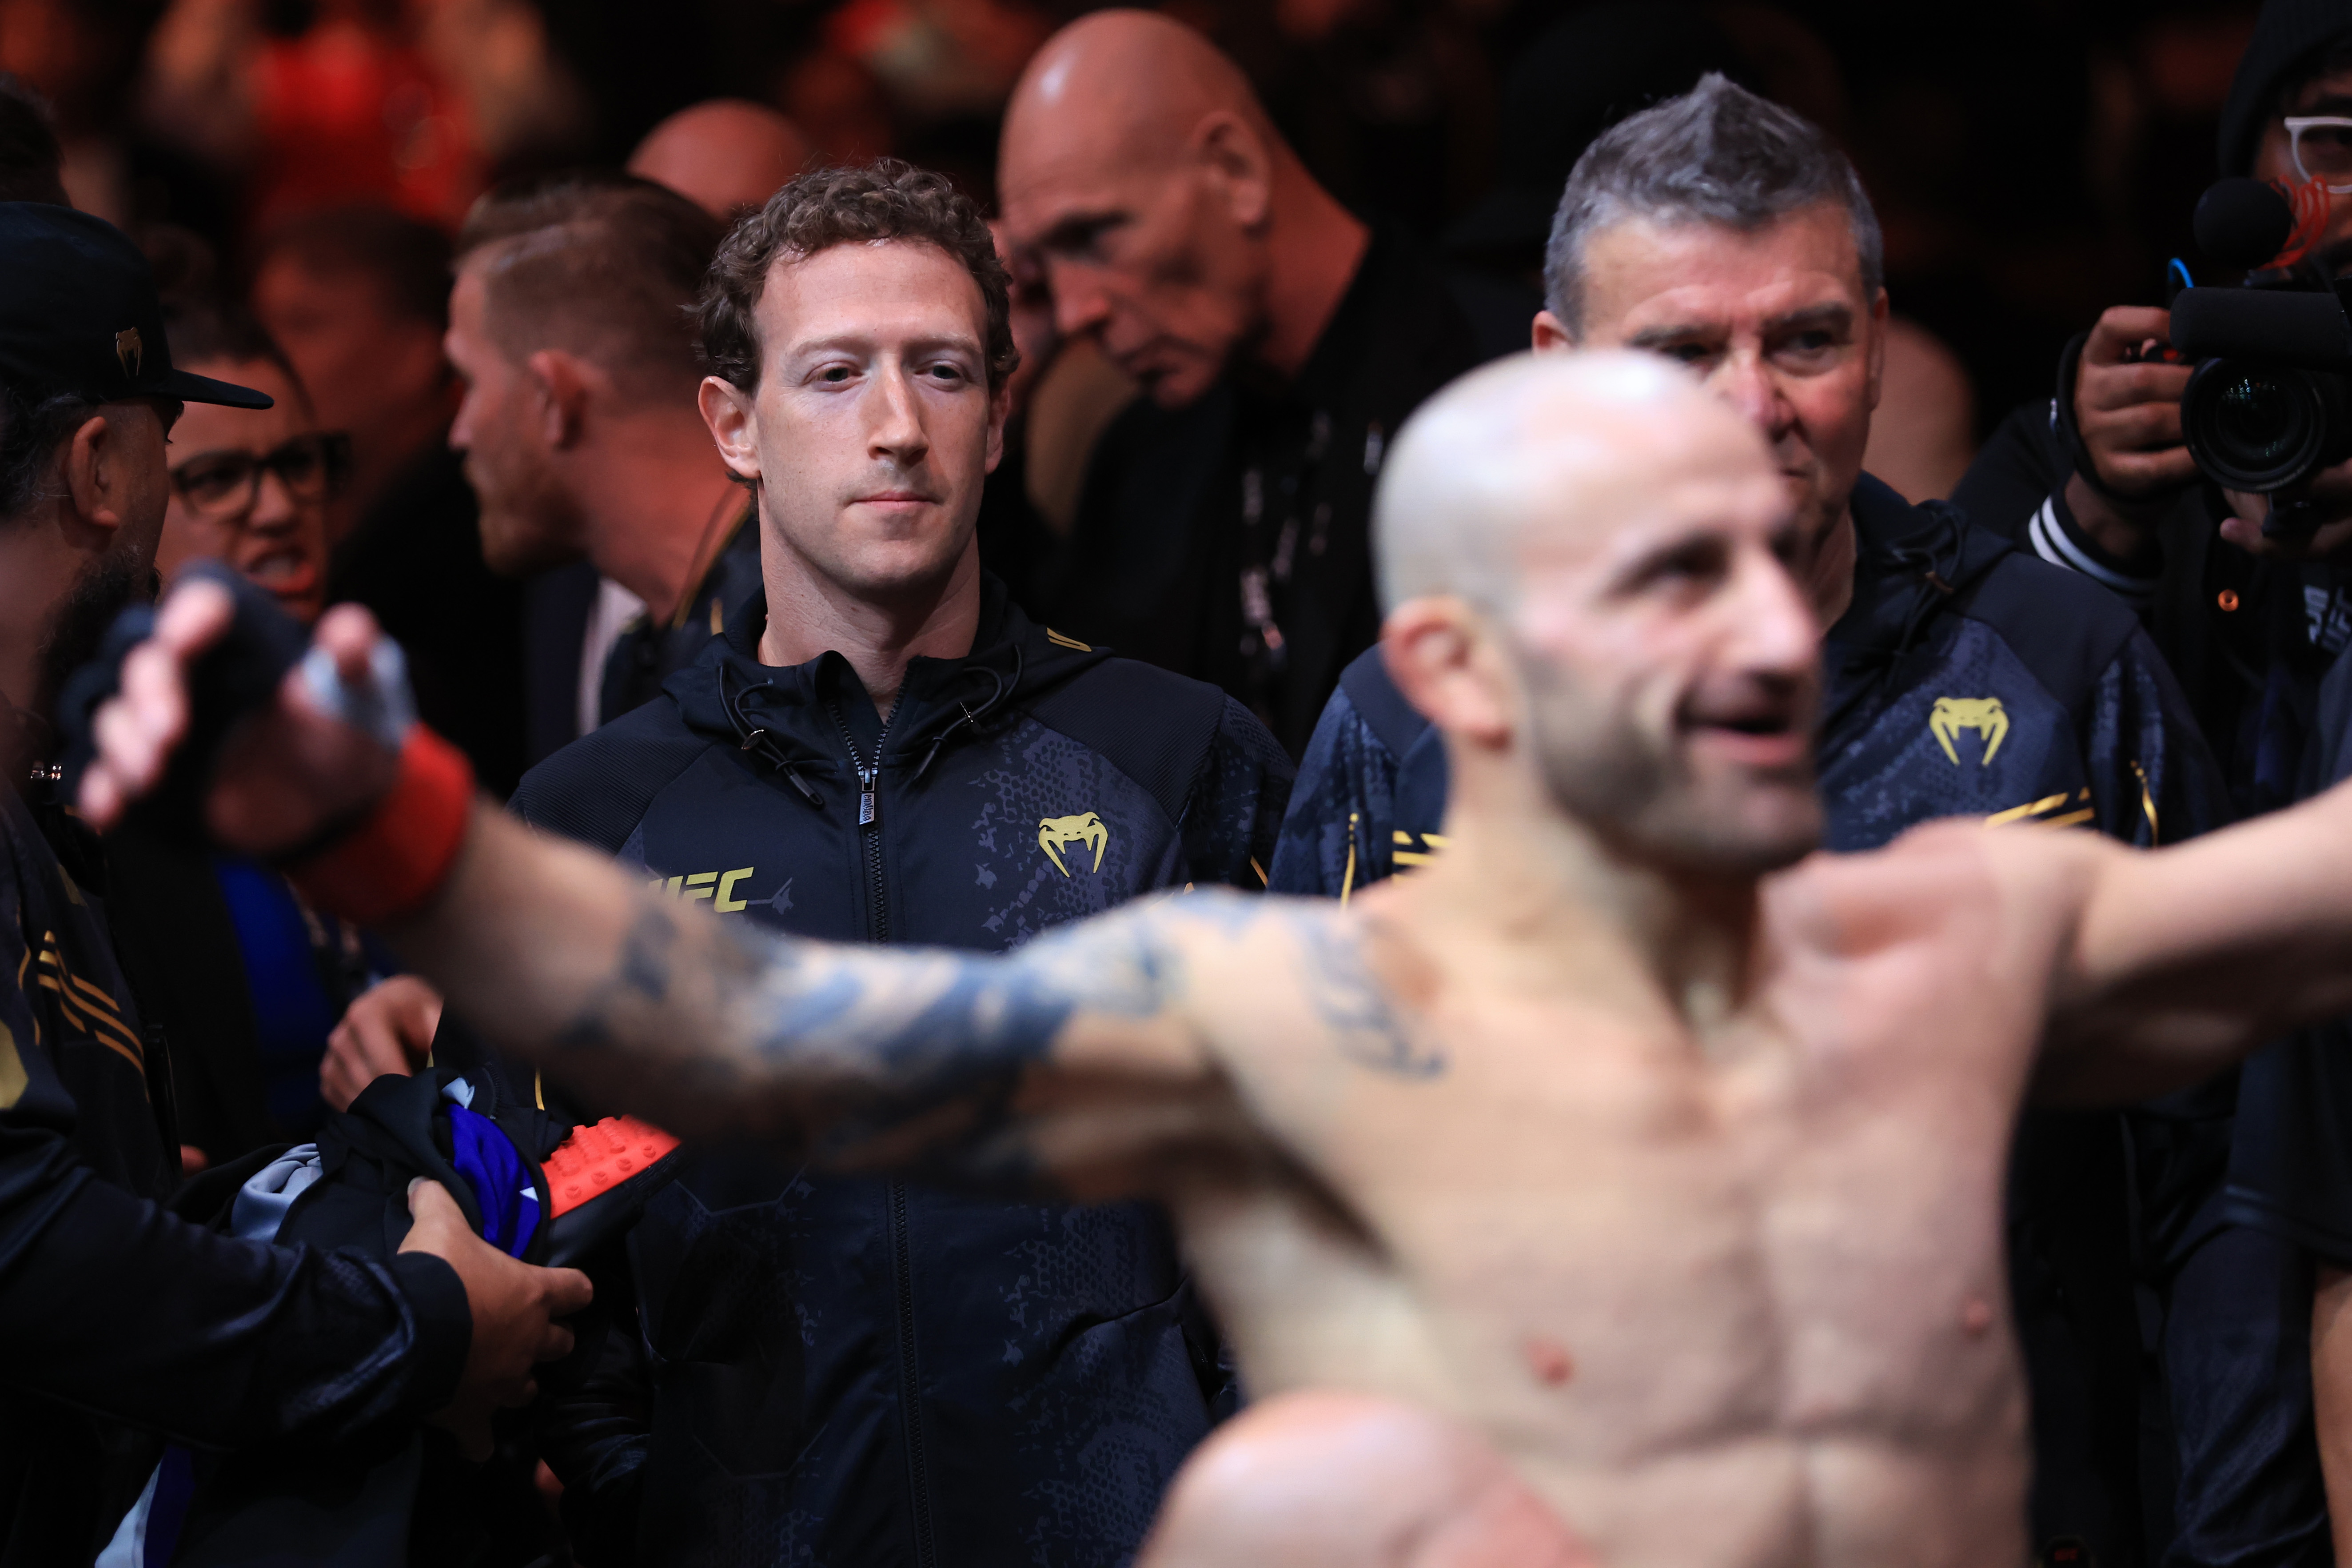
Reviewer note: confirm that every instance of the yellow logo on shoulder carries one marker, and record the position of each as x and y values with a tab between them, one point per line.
719	886
1985	715
1055	834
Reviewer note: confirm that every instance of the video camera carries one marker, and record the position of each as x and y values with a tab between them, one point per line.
2270	403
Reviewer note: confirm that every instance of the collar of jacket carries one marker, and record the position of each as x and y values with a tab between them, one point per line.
726	693
1912	563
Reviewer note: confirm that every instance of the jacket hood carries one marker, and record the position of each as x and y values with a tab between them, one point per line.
784	712
1912	563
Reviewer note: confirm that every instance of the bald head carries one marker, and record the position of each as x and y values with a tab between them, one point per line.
1118	86
724	155
1566	445
1139	172
1622	539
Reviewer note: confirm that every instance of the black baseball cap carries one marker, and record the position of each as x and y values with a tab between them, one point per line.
78	314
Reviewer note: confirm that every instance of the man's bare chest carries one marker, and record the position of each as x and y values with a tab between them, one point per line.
1631	1243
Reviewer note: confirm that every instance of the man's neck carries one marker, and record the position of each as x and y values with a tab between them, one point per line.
1535	902
656	507
1829	571
1313	253
809	615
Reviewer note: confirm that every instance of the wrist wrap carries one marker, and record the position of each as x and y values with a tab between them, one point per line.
395	860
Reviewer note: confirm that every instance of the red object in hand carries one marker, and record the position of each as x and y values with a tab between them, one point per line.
392	863
597	1159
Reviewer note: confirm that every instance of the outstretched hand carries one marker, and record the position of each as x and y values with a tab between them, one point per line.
286	772
514	1305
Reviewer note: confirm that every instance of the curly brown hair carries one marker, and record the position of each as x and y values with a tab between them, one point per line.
886	199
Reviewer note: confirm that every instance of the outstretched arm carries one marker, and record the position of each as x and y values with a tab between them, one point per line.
2177	962
1069	1064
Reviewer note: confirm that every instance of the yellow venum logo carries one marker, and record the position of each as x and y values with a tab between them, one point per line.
129	349
1985	715
1055	834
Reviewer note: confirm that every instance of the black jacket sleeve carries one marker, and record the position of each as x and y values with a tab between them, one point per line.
1233	815
1337	837
113	1305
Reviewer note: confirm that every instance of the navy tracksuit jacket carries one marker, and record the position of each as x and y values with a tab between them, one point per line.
1965	679
833	1370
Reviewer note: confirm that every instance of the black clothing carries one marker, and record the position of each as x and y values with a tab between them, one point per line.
2248	638
416	560
1965	677
1230	541
849	1369
647	653
2286	35
558	605
125	1322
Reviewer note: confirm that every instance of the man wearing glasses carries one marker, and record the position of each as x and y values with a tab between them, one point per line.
2098	480
128	1328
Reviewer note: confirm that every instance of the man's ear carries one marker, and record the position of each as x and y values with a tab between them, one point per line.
1236	157
999	408
733	417
96	464
1442	655
562	384
1878	313
1550	333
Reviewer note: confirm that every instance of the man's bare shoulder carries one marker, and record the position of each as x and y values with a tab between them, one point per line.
1274	979
1957	878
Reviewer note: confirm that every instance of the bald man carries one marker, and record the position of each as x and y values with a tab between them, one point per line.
1279	338
1657	1150
726	155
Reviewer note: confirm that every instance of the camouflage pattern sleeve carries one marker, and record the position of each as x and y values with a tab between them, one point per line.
2153	779
1343	814
1235	814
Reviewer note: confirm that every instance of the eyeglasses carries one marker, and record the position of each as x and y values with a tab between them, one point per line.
2322	145
218	485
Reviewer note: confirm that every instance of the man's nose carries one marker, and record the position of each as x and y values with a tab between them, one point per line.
274	510
1777	632
1081	303
898	416
1747	382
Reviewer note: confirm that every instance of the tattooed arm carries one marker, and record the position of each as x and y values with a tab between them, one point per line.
1068	1066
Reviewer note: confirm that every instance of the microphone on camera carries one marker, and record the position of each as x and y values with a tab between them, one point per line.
2243	223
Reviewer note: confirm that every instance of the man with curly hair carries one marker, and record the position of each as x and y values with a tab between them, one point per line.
881	746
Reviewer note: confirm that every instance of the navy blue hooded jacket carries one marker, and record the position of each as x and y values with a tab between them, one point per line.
845	1369
1965	679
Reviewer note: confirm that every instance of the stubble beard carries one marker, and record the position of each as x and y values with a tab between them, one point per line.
112	585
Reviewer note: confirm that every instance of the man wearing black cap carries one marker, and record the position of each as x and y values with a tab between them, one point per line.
127	1328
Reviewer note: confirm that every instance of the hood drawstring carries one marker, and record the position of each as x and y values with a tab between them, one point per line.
1934	565
972	716
753	738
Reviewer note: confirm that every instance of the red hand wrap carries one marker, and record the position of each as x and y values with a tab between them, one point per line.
392	864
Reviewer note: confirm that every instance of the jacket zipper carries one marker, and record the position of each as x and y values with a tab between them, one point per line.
877	929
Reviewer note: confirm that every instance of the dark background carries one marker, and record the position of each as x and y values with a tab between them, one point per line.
2032	159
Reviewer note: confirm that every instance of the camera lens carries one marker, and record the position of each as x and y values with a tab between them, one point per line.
2258	426
2261	419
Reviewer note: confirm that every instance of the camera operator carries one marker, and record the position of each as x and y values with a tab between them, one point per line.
2100	480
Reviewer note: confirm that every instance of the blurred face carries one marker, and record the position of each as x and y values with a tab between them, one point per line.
873	428
1160	263
370	369
1777	322
2327	153
530	521
249	487
1668	658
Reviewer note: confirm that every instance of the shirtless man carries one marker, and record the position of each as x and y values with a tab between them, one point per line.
1663	1154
